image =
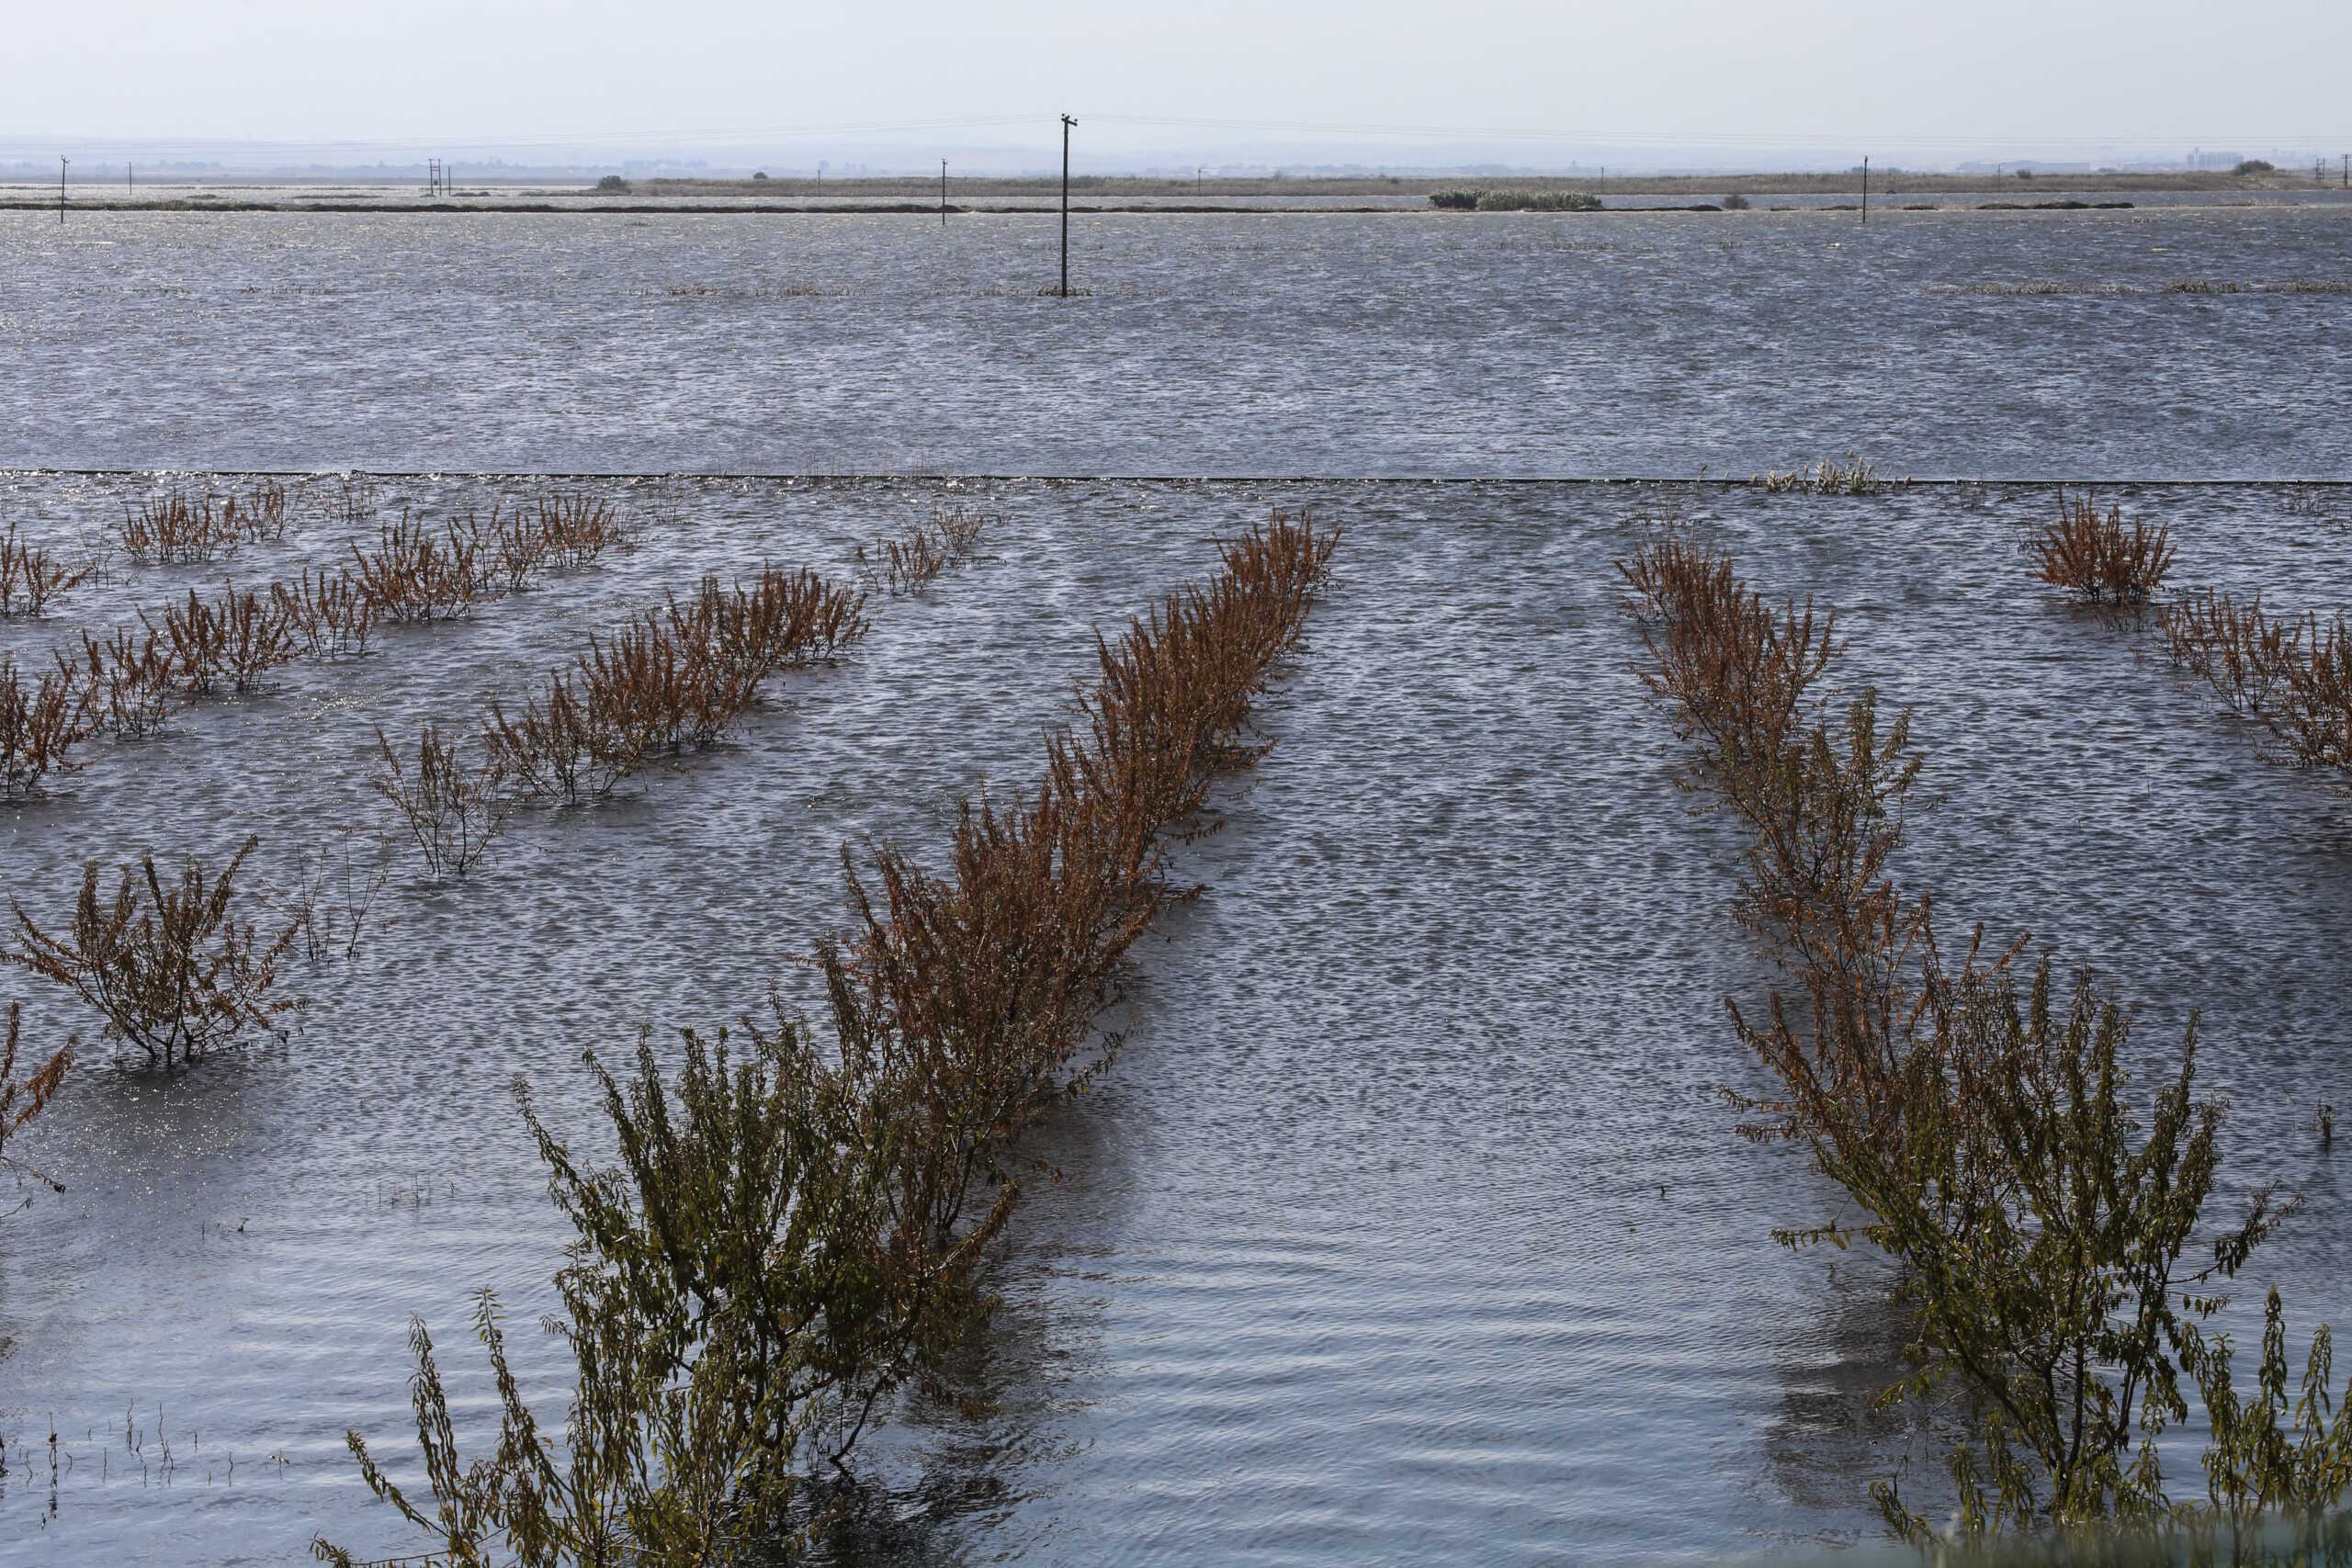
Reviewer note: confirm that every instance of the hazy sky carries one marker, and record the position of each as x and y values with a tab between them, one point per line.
699	72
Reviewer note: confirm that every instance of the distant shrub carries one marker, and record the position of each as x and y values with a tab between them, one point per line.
759	174
2255	166
612	183
1735	202
1516	200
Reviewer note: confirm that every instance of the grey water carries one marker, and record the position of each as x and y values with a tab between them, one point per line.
1278	344
1411	1222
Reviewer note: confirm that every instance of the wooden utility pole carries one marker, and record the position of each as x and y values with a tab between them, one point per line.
1866	188
1066	123
943	193
61	190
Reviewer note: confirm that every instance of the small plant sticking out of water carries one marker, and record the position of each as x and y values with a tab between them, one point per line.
2095	559
232	643
453	812
42	721
326	614
31	576
169	966
2294	677
348	500
178	528
418	573
1856	476
22	1097
905	563
125	683
258	515
333	896
2324	1123
573	530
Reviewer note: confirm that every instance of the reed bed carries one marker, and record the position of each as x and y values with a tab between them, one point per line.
1481	200
1982	1126
31	576
2095	559
793	1232
42	721
168	964
674	681
2292	676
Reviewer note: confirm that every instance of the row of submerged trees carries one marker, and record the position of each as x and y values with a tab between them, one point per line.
794	1228
2053	1255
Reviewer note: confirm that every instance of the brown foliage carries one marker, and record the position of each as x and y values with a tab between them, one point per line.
2294	676
22	1098
177	527
326	614
1825	803
963	1000
232	642
125	683
40	723
453	812
668	682
418	573
2095	559
169	966
1734	675
906	562
31	576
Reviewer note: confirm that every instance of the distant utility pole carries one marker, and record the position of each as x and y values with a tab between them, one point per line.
943	193
1066	123
1866	188
61	190
130	179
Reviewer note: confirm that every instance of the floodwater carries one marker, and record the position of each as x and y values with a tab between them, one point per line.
1410	1224
1381	345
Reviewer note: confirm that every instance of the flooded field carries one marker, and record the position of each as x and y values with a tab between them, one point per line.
1470	346
1410	1222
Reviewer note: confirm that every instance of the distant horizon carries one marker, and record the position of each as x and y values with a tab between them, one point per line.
91	161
